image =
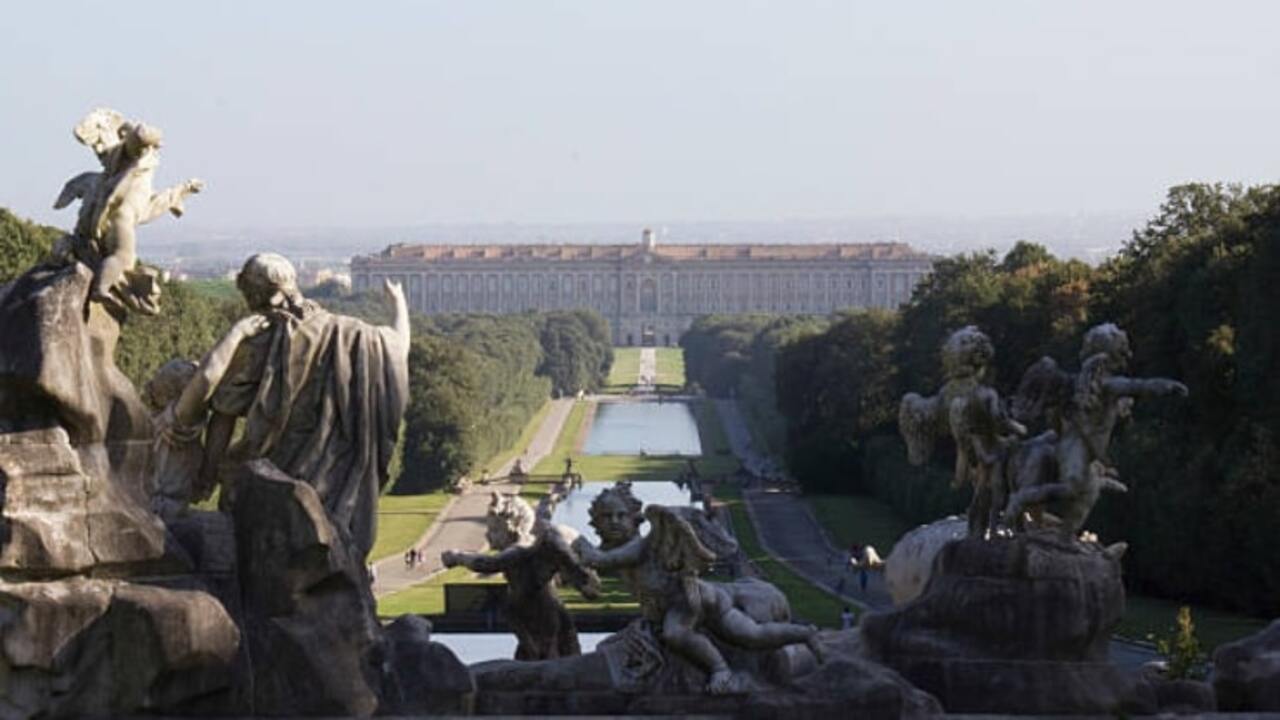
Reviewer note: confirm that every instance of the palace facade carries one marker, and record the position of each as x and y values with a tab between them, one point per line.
648	293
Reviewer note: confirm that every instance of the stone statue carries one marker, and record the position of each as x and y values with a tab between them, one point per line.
113	203
322	396
683	610
971	411
532	555
1083	410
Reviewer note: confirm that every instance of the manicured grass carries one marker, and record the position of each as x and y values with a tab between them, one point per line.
808	603
625	370
862	519
858	519
427	598
670	367
553	463
402	519
1146	616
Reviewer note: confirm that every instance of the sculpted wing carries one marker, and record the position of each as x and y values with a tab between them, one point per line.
684	539
1044	387
918	419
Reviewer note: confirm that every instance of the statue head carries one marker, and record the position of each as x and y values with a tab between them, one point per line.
168	383
509	522
101	130
616	514
1109	340
140	137
268	282
966	353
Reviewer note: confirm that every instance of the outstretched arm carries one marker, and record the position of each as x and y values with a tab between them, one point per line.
190	407
1139	387
482	562
170	200
622	556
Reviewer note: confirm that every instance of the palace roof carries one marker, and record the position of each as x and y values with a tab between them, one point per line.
703	252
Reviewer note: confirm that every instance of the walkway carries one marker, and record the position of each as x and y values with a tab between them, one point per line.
461	524
648	376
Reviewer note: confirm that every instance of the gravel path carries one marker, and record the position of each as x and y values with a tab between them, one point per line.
460	525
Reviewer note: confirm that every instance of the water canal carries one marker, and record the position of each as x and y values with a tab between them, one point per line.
643	428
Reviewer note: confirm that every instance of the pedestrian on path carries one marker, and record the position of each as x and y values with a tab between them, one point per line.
846	618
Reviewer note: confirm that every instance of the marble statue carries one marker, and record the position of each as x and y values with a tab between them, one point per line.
975	418
684	611
322	396
114	202
1069	465
532	555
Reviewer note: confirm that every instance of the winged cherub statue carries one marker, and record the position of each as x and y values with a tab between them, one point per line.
975	418
114	202
1082	409
661	569
532	555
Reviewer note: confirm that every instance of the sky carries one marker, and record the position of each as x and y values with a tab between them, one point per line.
338	114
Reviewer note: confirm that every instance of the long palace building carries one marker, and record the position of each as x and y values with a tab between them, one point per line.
649	293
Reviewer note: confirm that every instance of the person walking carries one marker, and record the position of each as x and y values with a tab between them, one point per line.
846	618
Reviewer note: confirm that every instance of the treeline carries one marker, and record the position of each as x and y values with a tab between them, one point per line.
735	356
1194	289
475	380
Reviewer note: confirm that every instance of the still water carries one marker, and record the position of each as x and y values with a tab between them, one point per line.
574	509
636	428
478	647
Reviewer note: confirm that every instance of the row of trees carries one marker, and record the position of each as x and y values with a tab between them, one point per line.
475	380
1194	290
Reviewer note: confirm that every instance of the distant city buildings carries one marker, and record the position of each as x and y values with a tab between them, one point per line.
649	293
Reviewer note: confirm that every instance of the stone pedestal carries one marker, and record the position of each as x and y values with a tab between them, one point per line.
1246	673
1013	625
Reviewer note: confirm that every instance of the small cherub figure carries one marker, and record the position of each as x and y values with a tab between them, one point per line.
661	570
117	200
972	413
532	555
178	396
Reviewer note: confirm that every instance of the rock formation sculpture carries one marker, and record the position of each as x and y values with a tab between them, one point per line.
975	418
533	556
681	610
322	396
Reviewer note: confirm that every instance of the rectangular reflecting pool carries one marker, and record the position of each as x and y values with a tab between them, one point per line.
643	428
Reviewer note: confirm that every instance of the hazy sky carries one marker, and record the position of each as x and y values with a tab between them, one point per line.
346	114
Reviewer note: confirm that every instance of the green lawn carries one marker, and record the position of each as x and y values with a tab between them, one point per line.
670	367
862	519
858	519
402	519
428	598
625	370
808	603
710	429
553	463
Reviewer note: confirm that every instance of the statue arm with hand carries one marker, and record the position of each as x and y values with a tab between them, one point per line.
400	320
626	555
1140	387
484	562
194	401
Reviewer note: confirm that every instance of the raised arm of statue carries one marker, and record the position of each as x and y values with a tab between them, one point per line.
170	200
400	321
1139	387
191	406
623	556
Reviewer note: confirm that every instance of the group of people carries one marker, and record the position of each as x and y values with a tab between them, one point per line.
862	558
412	557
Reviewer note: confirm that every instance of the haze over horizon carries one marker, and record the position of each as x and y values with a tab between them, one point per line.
410	115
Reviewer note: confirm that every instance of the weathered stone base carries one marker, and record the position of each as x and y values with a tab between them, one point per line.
1030	687
87	647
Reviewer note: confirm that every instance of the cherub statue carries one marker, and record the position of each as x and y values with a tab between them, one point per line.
532	555
974	416
114	202
1082	410
662	568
